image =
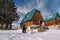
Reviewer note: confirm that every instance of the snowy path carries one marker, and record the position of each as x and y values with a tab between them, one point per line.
17	35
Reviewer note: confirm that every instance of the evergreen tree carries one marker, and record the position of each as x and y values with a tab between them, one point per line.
8	12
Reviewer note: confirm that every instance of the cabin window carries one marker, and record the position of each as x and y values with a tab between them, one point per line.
0	24
35	22
27	16
0	17
40	22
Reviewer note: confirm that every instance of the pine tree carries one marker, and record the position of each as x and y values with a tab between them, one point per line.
8	12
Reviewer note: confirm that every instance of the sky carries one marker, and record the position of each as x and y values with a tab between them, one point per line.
46	7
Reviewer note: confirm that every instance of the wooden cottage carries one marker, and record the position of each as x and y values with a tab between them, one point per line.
53	19
33	17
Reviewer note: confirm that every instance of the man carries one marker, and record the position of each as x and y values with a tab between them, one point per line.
23	28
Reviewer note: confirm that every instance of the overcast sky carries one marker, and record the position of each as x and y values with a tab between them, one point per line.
46	7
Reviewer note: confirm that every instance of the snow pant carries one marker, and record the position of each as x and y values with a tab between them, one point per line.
24	30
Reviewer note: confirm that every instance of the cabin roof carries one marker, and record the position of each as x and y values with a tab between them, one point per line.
51	17
29	15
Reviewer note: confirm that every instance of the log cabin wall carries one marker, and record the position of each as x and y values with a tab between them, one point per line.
37	19
55	20
28	23
58	20
51	22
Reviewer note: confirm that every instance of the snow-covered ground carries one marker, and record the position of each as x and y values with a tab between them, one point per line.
17	35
